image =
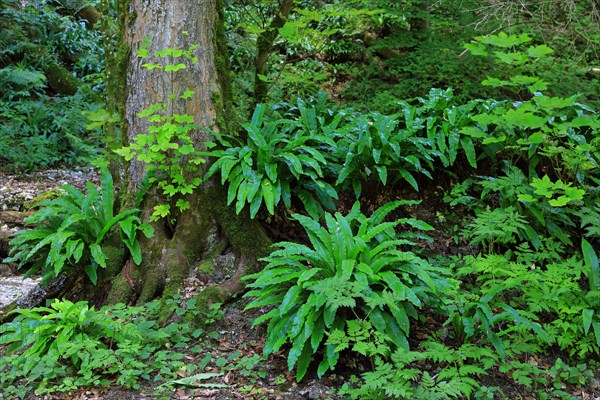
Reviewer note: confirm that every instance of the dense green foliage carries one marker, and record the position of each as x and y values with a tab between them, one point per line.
352	273
510	167
69	230
70	345
51	72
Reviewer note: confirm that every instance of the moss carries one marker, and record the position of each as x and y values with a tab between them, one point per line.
204	299
207	267
153	284
60	80
51	194
117	66
176	270
245	235
90	15
223	101
114	259
120	292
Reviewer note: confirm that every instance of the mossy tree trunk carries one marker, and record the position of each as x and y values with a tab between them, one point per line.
209	230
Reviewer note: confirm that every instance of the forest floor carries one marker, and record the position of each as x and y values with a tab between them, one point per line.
232	349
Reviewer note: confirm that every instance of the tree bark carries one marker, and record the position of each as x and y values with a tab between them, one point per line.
208	229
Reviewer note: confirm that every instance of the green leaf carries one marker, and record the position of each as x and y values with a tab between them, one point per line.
290	299
263	78
91	272
310	204
477	49
187	94
504	40
98	254
255	206
193	381
160	211
469	148
175	68
591	262
539	51
257	115
303	362
524	119
495	82
409	178
294	164
108	197
511	58
382	172
588	316
269	195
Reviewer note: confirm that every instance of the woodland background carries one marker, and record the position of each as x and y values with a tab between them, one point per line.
428	171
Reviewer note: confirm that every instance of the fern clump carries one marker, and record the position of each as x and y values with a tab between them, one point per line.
68	232
458	374
354	270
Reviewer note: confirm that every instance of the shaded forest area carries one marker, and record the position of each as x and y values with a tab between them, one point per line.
365	199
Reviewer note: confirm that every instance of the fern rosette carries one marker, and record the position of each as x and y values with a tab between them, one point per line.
68	232
355	270
278	158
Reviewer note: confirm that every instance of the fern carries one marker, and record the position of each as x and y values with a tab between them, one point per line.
277	160
457	377
353	273
498	226
590	221
70	229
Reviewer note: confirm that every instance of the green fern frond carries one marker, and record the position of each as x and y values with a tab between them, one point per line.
590	221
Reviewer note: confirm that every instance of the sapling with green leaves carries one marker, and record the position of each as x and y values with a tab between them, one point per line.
174	164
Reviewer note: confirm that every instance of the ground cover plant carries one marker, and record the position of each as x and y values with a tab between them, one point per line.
441	246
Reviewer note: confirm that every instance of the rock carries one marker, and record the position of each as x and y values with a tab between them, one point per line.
226	265
18	191
14	287
316	391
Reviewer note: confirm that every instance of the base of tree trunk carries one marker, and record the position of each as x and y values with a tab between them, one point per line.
210	243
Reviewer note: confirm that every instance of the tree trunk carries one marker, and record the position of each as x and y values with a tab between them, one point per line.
209	231
264	46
